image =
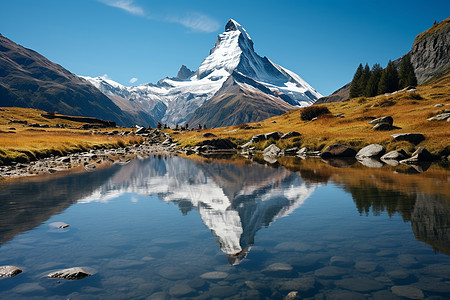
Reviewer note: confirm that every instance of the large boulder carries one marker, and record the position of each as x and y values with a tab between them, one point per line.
371	151
414	138
420	155
338	150
220	144
383	127
9	271
276	135
387	120
290	134
271	150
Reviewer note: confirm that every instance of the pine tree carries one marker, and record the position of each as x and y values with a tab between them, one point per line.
355	89
372	85
406	73
389	79
363	80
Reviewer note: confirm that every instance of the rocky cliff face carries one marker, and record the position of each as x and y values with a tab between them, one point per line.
430	52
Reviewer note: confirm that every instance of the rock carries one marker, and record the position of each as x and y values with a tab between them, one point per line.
344	295
221	292
439	105
258	138
214	275
220	143
383	127
290	151
399	276
440	117
370	151
9	271
181	289
384	295
337	150
407	291
420	155
273	135
366	266
414	138
209	135
173	273
330	272
395	155
290	134
340	261
359	284
271	151
300	284
292	296
141	130
71	273
278	269
387	120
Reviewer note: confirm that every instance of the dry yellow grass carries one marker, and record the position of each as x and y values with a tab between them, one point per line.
409	110
23	143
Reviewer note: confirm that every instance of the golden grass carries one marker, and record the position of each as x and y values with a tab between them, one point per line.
409	110
23	143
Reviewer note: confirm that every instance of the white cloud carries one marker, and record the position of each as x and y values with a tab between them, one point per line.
133	80
126	5
105	76
196	22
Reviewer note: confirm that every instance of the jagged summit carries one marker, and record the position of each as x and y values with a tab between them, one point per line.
232	76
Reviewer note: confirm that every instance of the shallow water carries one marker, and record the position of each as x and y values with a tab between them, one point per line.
168	227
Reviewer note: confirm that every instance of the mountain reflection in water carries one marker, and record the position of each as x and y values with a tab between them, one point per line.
234	199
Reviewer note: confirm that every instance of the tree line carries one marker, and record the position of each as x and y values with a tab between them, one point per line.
371	82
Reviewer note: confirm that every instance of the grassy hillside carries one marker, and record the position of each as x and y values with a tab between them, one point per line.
21	143
410	111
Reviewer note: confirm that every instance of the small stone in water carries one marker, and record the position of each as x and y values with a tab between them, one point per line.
292	296
407	291
9	271
71	273
214	275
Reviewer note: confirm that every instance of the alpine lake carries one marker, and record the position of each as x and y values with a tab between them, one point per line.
168	227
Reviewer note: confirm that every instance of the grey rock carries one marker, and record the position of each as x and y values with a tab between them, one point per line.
258	138
273	135
341	261
345	295
9	271
359	284
387	120
330	272
395	155
337	150
290	134
292	246
292	296
414	138
180	289
72	273
278	269
366	266
173	273
220	143
407	291
221	292
384	295
370	151
299	284
420	155
141	130
440	117
384	127
271	151
214	275
399	275
290	151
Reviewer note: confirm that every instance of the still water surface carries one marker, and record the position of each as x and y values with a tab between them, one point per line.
168	227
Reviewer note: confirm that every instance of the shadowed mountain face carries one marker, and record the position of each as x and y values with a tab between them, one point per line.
27	79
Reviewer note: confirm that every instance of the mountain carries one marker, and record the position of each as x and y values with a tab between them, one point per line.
430	57
28	79
232	85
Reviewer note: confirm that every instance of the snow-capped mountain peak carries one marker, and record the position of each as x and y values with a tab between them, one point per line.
232	60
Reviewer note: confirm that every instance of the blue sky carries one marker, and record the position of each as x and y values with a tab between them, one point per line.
144	41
